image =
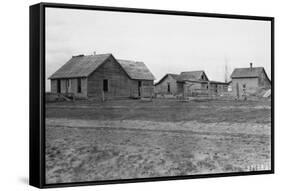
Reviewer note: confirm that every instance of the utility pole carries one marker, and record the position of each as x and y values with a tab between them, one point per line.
225	70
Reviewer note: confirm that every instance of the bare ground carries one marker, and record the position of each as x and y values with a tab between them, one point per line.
98	141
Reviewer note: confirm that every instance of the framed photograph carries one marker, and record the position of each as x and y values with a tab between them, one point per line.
122	95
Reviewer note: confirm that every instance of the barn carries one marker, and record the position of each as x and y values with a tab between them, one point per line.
102	76
249	80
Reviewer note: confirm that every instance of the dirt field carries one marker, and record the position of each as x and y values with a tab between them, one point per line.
87	141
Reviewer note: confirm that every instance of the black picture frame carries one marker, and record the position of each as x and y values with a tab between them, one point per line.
37	95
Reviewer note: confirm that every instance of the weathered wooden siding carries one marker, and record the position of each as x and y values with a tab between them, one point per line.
222	88
63	86
54	86
73	88
119	84
206	88
263	81
147	88
193	85
180	88
190	88
162	88
251	85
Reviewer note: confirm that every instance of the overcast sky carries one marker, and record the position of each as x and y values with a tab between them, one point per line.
165	43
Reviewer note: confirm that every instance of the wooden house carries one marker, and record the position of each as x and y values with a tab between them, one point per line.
168	85
102	76
189	83
249	80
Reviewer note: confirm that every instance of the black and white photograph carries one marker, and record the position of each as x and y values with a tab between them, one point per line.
131	95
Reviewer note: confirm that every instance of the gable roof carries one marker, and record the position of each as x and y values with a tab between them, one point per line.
247	72
174	76
136	70
83	66
191	75
80	66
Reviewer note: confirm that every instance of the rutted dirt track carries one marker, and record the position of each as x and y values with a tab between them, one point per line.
94	149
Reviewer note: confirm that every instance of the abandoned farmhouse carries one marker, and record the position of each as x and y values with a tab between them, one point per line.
189	83
249	80
103	76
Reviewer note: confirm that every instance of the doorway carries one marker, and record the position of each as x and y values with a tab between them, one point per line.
139	88
169	88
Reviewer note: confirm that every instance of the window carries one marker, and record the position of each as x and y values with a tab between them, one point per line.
139	88
169	90
105	85
79	89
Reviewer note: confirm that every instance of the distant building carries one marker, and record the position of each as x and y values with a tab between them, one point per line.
168	85
189	83
249	79
103	76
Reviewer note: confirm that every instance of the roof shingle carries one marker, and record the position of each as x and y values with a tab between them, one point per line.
191	75
247	72
80	66
83	66
136	70
175	76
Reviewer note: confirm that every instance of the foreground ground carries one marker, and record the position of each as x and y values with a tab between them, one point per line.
88	141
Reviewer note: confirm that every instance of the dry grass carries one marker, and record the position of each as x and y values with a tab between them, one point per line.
164	110
93	145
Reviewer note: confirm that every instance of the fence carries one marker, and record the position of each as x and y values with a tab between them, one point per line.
201	92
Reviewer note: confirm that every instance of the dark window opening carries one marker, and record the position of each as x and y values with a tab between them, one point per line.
139	88
139	84
169	90
105	85
79	88
58	86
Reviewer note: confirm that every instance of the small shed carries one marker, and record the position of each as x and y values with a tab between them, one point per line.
168	85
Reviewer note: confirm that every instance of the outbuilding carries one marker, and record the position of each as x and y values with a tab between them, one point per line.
168	85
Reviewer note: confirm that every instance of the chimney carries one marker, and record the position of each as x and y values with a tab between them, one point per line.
251	65
79	55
